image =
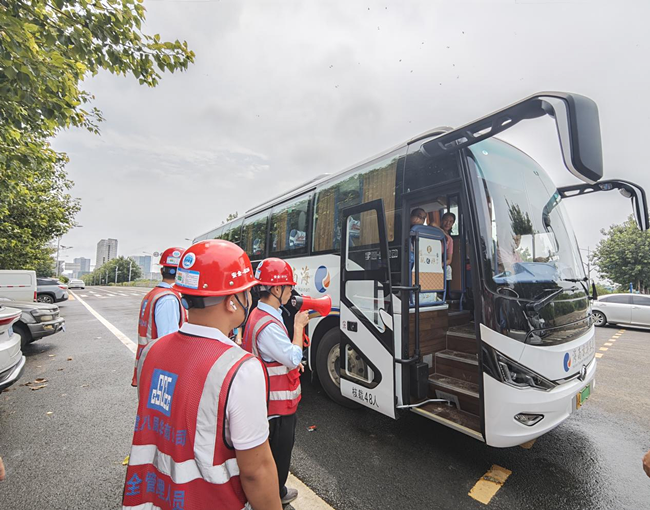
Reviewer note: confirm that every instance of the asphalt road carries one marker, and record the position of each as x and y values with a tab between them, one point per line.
355	459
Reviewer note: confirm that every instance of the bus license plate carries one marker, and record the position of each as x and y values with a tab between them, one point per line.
583	395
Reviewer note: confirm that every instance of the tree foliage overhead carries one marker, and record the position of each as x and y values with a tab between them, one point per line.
623	256
47	48
105	274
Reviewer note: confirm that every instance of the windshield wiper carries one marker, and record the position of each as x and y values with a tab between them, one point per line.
539	303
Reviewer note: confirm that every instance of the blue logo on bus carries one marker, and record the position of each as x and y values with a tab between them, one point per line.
161	391
322	279
567	362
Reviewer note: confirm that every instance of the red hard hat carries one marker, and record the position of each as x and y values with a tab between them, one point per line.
171	256
274	271
214	268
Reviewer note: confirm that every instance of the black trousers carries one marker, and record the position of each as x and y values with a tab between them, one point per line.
282	435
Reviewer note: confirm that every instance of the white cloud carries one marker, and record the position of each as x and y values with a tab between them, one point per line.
283	91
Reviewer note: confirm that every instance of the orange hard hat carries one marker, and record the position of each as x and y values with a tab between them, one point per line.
274	271
171	256
214	268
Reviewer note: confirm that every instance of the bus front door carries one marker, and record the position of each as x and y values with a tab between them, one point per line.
367	366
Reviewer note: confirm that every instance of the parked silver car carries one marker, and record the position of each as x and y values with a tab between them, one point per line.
37	320
12	361
633	309
50	290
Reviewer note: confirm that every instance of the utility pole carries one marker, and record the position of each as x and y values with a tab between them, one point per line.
130	267
116	266
58	243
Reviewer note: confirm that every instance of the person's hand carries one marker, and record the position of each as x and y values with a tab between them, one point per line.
301	319
646	463
2	470
301	368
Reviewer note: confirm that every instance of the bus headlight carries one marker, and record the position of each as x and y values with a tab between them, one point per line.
514	374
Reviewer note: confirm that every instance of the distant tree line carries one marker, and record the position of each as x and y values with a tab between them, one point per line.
127	271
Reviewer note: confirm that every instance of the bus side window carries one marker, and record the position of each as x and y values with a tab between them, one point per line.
254	235
376	180
289	228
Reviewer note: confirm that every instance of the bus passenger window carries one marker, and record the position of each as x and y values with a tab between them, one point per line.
378	180
254	236
289	227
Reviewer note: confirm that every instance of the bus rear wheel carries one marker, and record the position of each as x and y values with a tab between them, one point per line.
328	367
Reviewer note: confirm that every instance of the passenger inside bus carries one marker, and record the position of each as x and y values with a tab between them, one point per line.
437	213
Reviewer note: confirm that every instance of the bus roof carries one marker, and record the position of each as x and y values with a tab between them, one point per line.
323	178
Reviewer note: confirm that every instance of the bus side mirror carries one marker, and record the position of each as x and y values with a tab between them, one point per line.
594	292
639	205
628	189
578	127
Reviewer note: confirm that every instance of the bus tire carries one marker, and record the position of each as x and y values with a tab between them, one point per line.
328	368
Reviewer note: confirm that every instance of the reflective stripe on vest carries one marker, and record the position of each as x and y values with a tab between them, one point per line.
151	506
147	322
285	390
204	468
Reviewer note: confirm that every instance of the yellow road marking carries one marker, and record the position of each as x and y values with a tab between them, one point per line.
528	444
616	336
612	340
71	297
599	354
603	348
489	484
608	344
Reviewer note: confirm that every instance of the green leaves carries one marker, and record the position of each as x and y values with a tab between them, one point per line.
624	255
124	265
47	47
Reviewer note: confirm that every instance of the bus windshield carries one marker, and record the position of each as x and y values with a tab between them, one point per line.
529	238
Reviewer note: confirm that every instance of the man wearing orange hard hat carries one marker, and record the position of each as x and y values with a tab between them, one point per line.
201	430
161	311
267	337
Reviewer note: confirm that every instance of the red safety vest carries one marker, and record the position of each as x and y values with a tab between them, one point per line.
284	383
180	458
147	330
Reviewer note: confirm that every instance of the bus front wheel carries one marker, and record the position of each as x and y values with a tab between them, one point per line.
328	367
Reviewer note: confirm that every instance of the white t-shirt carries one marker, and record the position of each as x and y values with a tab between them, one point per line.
246	422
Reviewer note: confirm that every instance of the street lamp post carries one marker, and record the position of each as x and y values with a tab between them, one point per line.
130	267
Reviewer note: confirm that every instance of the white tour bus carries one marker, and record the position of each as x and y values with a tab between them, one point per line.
485	328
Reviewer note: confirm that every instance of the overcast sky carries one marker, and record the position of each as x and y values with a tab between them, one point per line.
284	91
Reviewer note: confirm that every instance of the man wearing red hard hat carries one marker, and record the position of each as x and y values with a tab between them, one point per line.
267	337
161	311
201	430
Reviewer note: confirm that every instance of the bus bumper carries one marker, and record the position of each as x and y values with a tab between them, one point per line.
504	402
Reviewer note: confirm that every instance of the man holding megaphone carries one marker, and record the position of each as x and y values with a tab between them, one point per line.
267	338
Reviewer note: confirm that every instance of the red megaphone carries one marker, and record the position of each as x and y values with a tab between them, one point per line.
321	305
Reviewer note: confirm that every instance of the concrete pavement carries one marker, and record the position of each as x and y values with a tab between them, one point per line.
355	459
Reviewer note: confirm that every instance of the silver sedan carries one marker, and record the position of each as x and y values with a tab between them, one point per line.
632	309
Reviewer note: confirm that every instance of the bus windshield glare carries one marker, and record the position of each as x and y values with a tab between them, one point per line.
529	238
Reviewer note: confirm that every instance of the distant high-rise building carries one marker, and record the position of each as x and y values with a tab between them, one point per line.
144	261
106	250
84	263
80	267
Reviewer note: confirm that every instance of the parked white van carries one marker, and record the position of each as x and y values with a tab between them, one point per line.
18	284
